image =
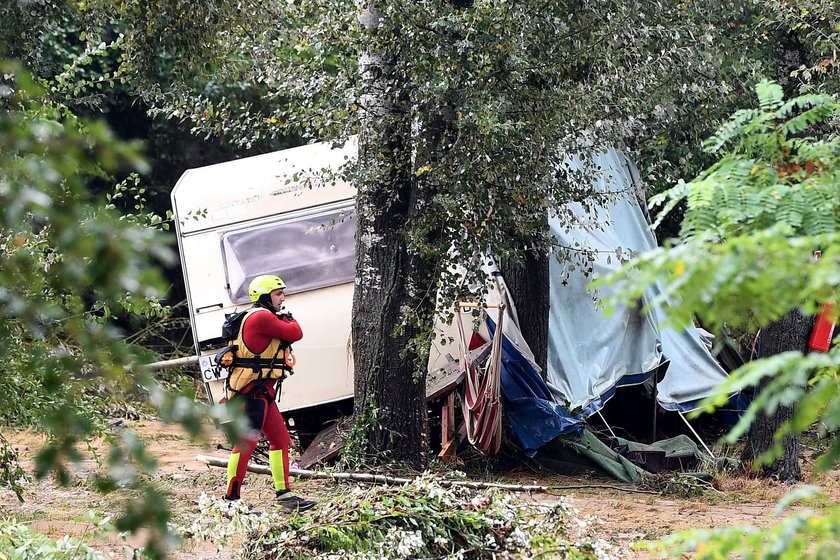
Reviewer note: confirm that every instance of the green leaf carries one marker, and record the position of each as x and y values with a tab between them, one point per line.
770	95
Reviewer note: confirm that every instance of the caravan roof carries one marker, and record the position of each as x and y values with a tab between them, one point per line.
260	186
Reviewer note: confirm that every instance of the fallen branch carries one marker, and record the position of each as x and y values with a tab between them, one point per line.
384	479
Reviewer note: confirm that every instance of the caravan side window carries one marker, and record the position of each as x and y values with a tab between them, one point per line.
308	252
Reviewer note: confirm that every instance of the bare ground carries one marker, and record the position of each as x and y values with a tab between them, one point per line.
626	513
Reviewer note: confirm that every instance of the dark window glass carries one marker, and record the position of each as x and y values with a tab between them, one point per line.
308	253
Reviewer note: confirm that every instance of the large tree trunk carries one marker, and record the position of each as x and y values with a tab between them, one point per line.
791	332
391	303
529	286
390	372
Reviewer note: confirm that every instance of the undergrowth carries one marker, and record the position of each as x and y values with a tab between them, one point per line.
12	475
417	520
19	542
681	485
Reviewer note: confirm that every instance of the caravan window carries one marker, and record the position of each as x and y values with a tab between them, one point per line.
308	252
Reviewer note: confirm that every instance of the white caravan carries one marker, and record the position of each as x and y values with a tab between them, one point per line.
272	214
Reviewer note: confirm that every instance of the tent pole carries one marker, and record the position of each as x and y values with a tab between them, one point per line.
604	420
690	427
655	396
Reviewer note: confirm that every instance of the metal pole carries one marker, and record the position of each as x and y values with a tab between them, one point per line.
655	402
604	420
169	364
690	427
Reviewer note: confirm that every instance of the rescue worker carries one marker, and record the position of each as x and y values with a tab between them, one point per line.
262	360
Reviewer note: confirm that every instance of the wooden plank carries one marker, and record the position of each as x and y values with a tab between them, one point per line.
444	380
448	453
327	444
447	419
448	445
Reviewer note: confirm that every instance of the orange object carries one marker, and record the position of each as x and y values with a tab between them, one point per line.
823	330
227	359
289	358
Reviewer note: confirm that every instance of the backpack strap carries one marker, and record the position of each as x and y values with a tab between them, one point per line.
257	365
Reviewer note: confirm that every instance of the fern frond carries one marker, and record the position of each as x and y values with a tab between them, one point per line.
703	221
730	130
805	101
736	170
808	149
823	208
773	176
766	145
668	199
761	203
770	95
791	214
825	223
802	121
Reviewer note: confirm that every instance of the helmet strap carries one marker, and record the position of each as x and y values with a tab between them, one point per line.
264	301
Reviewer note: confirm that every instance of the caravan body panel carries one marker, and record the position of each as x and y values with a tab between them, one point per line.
217	205
281	213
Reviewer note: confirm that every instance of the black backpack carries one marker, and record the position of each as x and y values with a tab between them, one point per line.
230	331
232	324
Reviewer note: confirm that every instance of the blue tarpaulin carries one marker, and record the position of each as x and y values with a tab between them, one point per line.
590	355
534	417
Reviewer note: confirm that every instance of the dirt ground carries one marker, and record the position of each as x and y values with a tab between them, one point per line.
626	513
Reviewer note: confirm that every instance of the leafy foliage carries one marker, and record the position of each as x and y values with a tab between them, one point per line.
687	59
808	382
742	283
66	263
485	93
481	65
771	175
752	218
466	107
744	258
814	34
417	520
12	475
19	542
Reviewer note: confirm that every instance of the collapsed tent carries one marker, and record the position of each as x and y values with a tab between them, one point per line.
591	355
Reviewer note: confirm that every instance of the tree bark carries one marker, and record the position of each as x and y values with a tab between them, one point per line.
392	306
529	288
791	332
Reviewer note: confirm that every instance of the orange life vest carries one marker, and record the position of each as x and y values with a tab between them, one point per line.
272	363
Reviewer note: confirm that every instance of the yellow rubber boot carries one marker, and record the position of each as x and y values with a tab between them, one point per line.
278	469
233	483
